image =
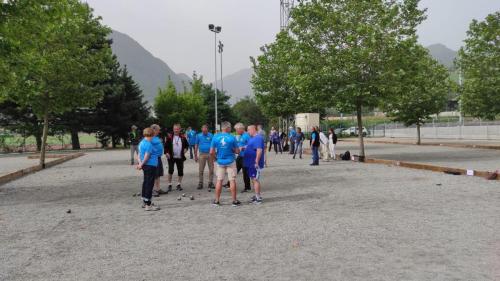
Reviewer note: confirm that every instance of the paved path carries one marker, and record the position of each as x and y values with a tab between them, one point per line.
465	158
338	221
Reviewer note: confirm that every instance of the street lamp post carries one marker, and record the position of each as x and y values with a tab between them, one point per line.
221	49
215	30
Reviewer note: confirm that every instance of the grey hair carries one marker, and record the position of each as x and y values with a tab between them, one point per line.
239	126
225	125
155	127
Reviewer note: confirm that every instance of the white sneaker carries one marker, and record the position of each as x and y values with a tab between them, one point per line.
151	208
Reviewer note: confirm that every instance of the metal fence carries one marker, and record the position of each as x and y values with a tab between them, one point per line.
477	130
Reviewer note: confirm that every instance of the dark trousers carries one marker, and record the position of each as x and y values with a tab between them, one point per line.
292	147
315	154
239	167
148	182
277	147
180	166
191	148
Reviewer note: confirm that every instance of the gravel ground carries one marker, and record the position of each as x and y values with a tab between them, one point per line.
338	221
465	158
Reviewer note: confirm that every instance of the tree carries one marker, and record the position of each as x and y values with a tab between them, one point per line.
248	112
342	52
479	61
422	87
187	109
62	51
223	107
21	120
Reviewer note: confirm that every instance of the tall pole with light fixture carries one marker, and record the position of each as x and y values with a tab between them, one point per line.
221	49
215	30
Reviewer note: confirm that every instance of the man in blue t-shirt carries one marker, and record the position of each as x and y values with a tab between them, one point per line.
191	138
202	144
223	148
147	163
242	137
157	152
254	161
291	137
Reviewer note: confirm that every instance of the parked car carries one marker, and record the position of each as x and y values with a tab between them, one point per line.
353	131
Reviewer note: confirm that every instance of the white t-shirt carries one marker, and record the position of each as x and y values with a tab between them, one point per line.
323	138
177	144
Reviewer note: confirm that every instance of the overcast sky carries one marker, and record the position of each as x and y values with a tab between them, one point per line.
176	31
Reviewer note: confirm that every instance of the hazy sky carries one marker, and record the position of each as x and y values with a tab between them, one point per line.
176	31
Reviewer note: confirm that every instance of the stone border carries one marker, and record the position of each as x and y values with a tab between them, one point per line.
33	169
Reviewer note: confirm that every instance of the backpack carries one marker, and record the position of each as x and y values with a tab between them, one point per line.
346	156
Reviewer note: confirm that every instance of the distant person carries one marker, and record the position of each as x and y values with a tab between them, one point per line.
315	143
299	140
332	142
203	142
324	146
254	161
176	146
148	164
224	146
261	132
191	138
291	137
157	152
275	141
133	137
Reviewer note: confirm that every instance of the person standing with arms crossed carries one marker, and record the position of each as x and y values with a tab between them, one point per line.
202	145
224	146
315	142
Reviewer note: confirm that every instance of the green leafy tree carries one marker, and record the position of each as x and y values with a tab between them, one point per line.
223	107
421	88
61	54
21	121
187	109
339	54
479	61
248	112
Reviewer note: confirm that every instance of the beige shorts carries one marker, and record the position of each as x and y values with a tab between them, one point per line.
229	169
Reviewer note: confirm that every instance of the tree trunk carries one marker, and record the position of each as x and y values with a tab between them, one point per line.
75	139
38	138
360	133
418	134
44	138
113	141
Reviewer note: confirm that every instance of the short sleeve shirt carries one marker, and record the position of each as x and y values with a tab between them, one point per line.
146	146
253	144
242	142
204	141
224	145
157	147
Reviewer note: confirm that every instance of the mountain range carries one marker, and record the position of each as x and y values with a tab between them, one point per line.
147	70
151	72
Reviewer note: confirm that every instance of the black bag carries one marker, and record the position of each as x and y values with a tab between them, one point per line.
346	156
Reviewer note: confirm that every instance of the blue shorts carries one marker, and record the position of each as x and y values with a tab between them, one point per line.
254	173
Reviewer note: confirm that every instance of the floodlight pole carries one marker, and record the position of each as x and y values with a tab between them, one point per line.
215	30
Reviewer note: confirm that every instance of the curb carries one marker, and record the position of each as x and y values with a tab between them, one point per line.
426	167
33	169
432	168
455	145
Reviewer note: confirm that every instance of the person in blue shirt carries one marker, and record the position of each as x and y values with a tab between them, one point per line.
242	137
291	137
157	152
223	147
147	163
202	145
315	143
254	161
191	138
